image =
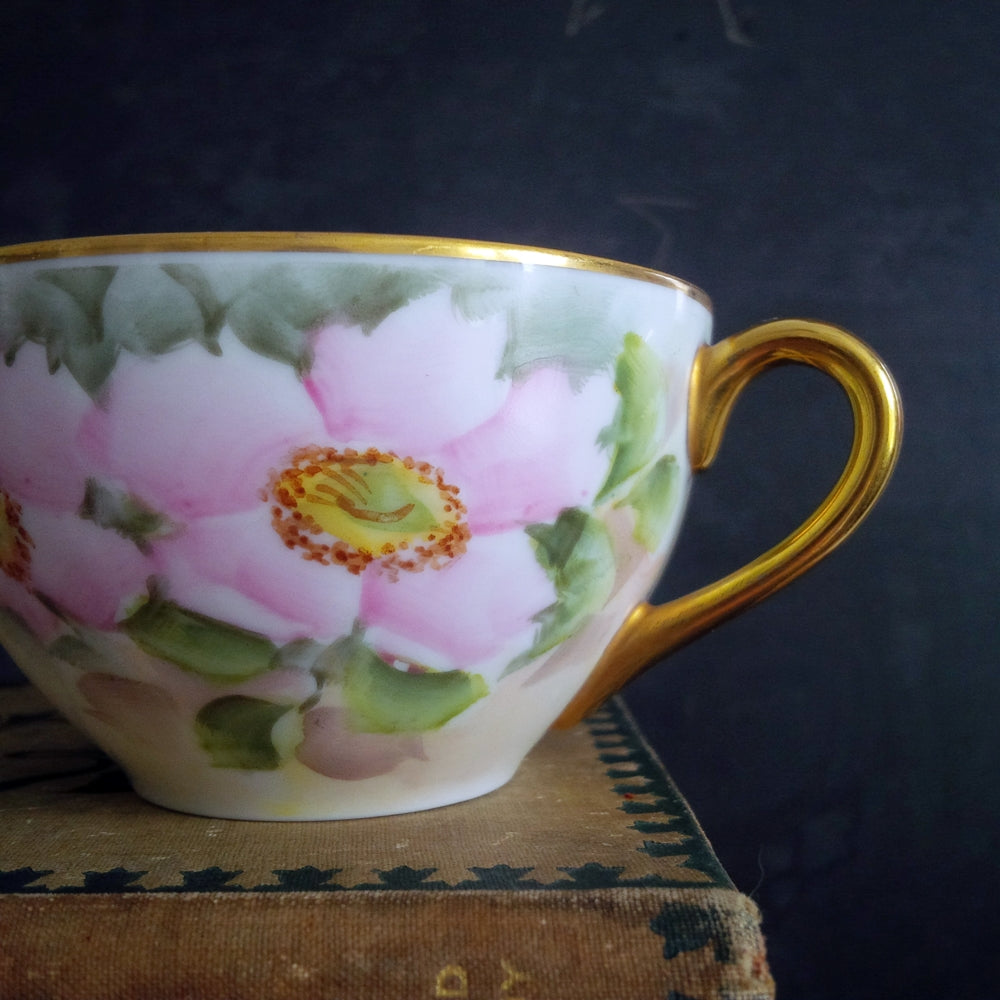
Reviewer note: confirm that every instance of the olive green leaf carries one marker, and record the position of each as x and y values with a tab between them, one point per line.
558	325
481	298
367	294
653	498
60	309
275	314
577	554
86	286
147	312
110	507
77	652
197	643
238	731
212	308
383	699
85	316
635	433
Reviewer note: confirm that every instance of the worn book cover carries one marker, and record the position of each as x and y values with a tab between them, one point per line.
587	876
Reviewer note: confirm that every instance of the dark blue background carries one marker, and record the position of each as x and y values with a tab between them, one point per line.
836	160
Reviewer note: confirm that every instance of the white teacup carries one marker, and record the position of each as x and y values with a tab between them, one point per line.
306	526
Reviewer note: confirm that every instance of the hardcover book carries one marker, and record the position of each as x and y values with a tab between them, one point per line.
587	876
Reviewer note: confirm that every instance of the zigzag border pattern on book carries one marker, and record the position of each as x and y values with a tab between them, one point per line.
638	780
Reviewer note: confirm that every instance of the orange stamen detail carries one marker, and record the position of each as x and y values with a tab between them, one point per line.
15	542
351	509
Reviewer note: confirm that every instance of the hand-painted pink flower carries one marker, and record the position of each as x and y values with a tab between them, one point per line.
391	486
76	570
191	433
47	560
15	597
423	377
236	568
165	432
41	413
48	553
536	455
478	609
86	571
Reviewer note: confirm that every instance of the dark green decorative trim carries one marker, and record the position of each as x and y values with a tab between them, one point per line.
114	880
21	879
689	927
646	791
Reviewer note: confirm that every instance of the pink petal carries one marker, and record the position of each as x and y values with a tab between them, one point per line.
237	569
91	573
17	598
41	415
476	610
537	456
422	377
193	434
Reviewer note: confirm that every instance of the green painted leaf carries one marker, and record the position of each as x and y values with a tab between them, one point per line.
256	322
110	507
205	646
84	316
147	312
480	299
212	308
654	497
90	365
61	310
276	314
75	651
86	285
637	428
383	699
367	294
238	731
577	554
559	326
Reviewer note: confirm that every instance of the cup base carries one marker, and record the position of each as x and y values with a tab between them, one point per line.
338	803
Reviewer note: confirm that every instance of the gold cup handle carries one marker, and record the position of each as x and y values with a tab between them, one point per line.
720	373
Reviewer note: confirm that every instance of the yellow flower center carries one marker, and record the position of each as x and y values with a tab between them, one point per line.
15	543
351	508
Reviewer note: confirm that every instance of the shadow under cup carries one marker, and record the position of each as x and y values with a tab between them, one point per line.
322	526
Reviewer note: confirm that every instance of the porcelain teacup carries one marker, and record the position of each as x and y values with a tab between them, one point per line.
307	526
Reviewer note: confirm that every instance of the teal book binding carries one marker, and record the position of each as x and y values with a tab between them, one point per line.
587	876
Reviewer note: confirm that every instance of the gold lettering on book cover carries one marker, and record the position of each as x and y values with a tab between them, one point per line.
452	982
510	988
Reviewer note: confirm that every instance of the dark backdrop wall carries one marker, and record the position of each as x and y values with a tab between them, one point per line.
793	157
